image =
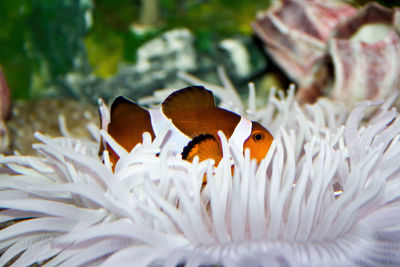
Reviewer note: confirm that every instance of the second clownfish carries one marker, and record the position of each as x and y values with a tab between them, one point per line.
196	121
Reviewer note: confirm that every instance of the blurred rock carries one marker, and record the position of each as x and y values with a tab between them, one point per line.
241	58
160	59
43	116
158	62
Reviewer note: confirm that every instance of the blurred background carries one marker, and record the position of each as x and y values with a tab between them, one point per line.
49	47
60	56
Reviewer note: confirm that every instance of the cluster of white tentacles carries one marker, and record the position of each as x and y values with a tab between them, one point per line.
327	194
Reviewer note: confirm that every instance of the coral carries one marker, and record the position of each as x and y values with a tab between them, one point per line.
330	48
296	32
365	52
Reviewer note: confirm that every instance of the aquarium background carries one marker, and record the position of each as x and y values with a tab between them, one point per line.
61	56
45	42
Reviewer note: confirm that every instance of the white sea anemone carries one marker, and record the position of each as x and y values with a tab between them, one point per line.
327	194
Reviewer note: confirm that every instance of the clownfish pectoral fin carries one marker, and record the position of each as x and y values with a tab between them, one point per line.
127	124
205	146
186	99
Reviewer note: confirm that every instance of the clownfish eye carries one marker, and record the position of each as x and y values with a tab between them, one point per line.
258	136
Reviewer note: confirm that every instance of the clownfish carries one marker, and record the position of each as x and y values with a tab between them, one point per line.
196	121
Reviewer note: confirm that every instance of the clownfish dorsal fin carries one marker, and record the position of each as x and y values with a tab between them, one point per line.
186	99
205	146
127	123
193	112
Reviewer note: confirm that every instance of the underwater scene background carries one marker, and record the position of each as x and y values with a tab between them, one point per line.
85	50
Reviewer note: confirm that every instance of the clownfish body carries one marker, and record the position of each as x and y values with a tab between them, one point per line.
196	121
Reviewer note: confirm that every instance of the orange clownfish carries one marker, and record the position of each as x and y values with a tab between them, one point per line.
196	121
